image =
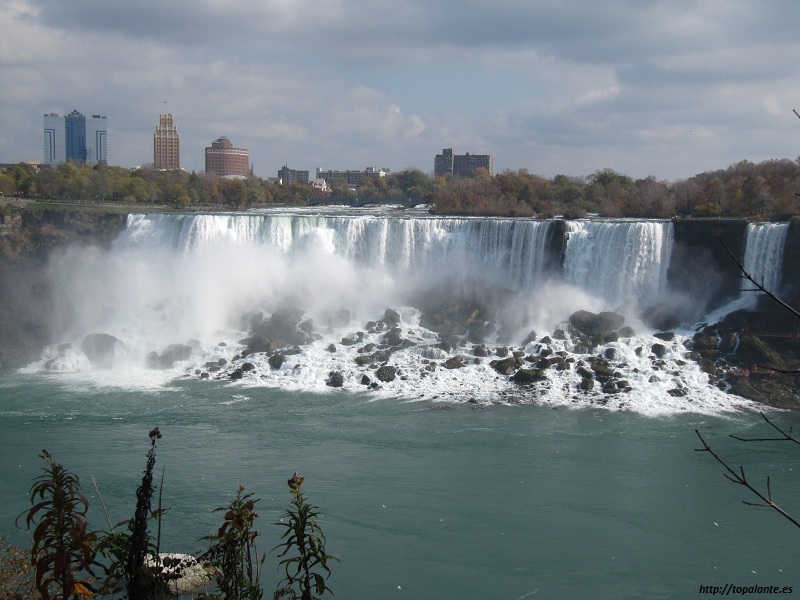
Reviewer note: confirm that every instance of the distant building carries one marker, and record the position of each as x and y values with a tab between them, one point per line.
351	178
224	160
289	176
461	165
166	144
74	137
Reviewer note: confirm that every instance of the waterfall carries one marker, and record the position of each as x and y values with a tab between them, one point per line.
624	262
512	251
763	256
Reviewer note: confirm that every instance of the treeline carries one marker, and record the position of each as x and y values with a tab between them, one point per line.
766	189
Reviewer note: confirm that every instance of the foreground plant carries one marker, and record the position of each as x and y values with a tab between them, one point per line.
62	551
16	573
233	551
304	549
134	566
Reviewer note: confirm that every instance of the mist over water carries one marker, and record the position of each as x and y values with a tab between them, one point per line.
197	280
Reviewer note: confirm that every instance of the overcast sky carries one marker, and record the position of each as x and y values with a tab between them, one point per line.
646	87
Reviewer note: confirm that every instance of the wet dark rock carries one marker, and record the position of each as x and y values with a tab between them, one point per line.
171	354
248	366
365	380
592	324
276	360
391	317
506	366
666	336
660	350
237	374
101	348
455	362
335	379
386	373
480	351
524	376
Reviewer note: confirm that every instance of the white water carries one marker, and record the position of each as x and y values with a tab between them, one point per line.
763	259
624	262
190	279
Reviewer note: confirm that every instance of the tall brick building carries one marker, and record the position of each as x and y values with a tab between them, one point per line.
166	144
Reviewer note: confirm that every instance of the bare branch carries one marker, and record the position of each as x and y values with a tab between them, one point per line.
760	287
741	479
785	372
785	437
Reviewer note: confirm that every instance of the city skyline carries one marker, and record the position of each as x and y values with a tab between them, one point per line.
664	88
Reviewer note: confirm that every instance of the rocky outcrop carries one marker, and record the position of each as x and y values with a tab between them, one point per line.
101	349
172	354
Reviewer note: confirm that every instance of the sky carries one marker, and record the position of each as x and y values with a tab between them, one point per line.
668	88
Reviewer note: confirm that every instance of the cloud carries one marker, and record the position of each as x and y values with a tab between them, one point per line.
553	86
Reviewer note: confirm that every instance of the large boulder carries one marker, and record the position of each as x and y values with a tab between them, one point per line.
596	325
101	348
172	354
284	328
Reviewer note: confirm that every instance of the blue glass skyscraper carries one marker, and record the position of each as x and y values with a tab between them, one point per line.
76	138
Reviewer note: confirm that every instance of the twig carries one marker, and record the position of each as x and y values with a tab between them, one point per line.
786	437
741	479
102	503
760	286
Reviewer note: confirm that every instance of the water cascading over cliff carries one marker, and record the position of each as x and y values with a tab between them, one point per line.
459	286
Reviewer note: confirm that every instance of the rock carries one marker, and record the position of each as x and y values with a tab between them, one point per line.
505	367
350	340
167	359
480	351
666	336
728	343
524	376
101	348
335	379
331	348
502	351
365	380
391	317
393	337
594	325
276	360
363	361
182	573
386	373
586	384
248	366
660	350
454	362
237	374
626	332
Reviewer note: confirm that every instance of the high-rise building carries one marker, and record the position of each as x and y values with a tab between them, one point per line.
351	178
166	144
55	146
289	176
224	160
74	137
461	165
